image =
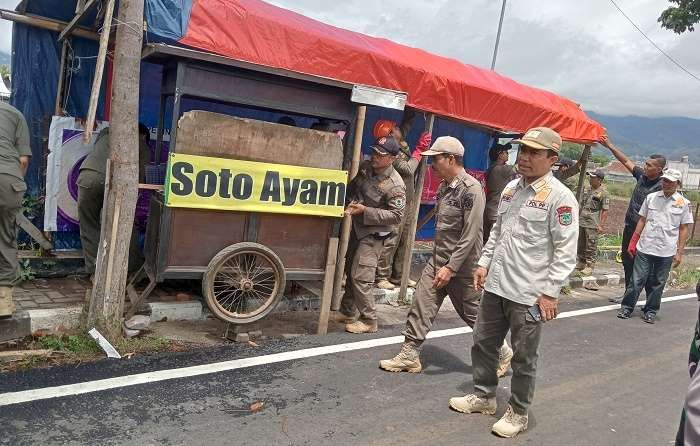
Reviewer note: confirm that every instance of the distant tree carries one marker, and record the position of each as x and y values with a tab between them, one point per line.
681	18
4	71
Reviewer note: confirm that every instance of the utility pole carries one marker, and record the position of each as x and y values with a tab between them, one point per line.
107	299
498	36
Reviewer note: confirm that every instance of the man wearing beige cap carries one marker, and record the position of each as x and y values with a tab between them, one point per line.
525	263
449	272
656	245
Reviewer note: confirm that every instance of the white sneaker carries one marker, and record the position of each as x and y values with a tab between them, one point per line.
504	358
510	424
473	404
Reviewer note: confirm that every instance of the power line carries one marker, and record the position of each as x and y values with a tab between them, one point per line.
675	62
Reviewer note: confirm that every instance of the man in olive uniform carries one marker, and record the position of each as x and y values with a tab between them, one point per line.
378	199
14	159
568	169
91	189
390	268
458	242
594	209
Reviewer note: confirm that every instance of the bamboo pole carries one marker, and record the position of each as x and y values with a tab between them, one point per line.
413	216
45	23
347	220
99	69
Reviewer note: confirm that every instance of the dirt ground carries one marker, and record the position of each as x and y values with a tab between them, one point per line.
615	222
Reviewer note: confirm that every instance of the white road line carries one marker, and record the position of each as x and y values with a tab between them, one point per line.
24	396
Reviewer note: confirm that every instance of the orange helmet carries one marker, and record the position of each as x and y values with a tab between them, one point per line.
383	128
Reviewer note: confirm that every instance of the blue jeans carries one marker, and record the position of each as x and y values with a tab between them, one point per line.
650	273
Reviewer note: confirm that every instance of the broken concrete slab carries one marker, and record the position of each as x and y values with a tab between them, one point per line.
175	311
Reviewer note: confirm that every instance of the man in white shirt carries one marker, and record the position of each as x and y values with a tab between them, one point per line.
657	244
527	260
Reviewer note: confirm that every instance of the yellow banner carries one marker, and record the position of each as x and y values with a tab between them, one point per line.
204	182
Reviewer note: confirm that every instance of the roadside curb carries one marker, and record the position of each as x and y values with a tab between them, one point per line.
600	280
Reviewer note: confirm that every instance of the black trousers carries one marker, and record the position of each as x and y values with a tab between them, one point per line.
627	260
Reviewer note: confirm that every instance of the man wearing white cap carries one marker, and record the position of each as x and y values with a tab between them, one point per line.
525	263
450	271
657	244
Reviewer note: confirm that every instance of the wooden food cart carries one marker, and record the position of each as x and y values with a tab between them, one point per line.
245	258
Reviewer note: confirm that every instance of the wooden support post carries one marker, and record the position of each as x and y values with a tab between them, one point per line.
327	296
99	69
582	174
413	216
347	220
58	110
109	289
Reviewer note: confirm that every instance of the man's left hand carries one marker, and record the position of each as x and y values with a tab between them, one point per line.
355	208
442	278
677	259
548	307
599	228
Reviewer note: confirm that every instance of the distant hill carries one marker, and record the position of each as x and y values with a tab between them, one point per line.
638	136
5	58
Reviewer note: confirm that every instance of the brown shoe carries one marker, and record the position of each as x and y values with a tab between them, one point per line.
361	327
7	306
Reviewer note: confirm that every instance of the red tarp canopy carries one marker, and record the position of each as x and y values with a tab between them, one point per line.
256	32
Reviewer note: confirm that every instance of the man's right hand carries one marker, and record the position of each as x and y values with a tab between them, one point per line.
480	277
605	141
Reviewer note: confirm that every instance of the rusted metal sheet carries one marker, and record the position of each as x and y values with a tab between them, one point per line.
300	241
212	134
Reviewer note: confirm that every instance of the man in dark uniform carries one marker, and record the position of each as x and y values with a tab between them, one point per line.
458	242
497	176
378	200
91	189
648	181
14	159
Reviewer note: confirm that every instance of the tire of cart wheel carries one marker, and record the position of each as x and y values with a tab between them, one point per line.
240	249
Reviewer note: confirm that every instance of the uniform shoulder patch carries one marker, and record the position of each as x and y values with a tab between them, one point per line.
399	201
468	201
565	215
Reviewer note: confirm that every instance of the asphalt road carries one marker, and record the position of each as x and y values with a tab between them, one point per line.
601	381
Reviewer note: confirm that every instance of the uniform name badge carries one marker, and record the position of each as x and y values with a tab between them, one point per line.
565	216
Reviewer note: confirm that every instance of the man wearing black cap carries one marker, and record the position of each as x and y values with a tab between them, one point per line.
497	176
594	209
378	201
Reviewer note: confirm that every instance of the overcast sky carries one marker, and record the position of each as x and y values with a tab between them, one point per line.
584	50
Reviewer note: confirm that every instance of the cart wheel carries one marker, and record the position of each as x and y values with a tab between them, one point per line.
243	283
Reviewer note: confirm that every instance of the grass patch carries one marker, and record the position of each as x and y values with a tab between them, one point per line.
78	347
610	240
685	276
